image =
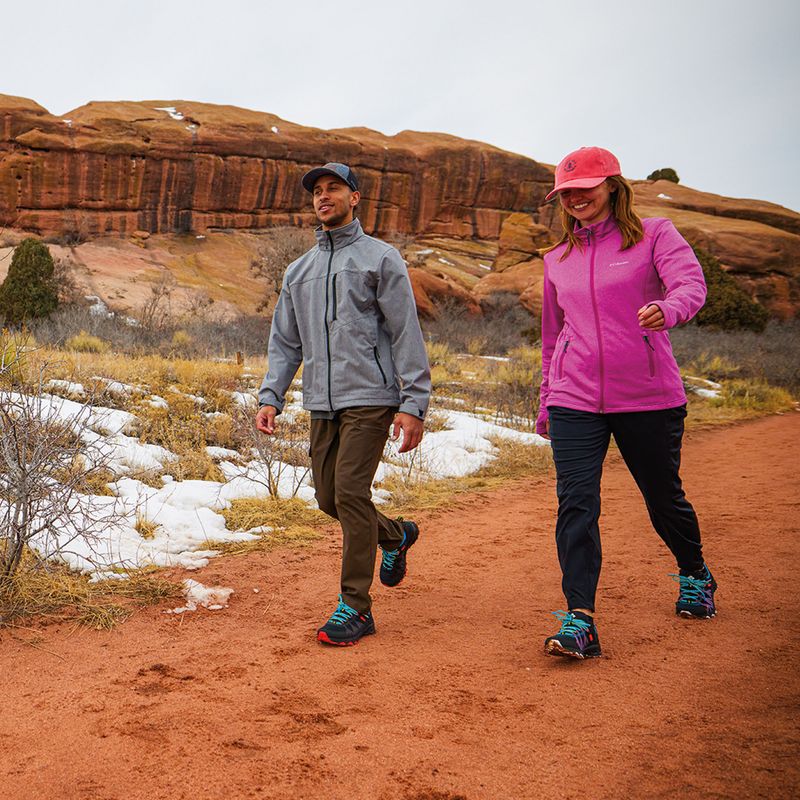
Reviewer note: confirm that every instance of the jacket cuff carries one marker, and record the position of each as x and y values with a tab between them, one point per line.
410	407
541	421
269	398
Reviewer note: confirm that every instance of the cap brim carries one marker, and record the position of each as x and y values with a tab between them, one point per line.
577	183
313	175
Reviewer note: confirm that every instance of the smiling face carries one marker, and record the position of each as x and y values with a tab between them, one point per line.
588	205
334	202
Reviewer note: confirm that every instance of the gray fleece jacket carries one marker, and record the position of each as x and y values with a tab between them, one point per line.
346	311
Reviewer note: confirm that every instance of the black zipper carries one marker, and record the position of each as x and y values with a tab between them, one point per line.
378	362
335	302
561	360
650	359
327	329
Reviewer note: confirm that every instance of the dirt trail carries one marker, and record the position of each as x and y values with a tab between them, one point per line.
453	697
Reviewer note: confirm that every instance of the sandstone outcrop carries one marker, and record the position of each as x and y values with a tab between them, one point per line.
127	186
176	166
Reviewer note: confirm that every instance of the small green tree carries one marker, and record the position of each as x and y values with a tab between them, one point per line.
29	289
728	306
664	174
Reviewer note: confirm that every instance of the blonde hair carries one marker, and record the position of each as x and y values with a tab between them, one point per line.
628	221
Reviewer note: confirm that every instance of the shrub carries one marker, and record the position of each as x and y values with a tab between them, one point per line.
728	306
664	174
85	343
29	290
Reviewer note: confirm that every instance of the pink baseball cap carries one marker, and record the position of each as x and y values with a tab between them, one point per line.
584	169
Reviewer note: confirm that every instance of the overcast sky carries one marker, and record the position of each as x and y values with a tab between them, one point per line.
709	87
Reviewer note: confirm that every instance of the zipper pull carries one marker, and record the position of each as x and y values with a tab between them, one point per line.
647	342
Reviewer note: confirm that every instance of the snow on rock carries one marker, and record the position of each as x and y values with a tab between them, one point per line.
172	111
218	453
213	598
98	308
245	399
74	389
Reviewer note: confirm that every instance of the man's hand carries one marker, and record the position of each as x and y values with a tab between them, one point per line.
265	419
412	431
651	317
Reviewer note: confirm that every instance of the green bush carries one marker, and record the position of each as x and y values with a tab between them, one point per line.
29	290
664	174
728	307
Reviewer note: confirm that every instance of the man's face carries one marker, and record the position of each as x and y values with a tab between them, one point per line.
334	202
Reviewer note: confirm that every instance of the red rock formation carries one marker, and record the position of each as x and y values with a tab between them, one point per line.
175	166
167	166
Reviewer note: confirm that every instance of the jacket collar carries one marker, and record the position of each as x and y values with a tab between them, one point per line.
599	230
341	237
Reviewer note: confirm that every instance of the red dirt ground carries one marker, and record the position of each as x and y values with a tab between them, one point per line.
453	698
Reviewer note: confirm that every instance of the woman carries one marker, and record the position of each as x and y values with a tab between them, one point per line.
613	286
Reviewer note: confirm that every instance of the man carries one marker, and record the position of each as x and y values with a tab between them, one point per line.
346	312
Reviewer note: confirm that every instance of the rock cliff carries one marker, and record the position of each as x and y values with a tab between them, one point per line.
467	216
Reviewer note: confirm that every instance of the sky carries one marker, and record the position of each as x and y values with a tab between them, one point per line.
708	87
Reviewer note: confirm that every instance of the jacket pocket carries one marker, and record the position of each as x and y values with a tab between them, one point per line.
651	355
561	357
335	302
378	362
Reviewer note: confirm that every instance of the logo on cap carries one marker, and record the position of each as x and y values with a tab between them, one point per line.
570	165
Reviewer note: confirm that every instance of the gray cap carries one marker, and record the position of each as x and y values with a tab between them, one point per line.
341	171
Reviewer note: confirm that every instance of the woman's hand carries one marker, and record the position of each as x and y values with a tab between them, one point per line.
546	434
651	317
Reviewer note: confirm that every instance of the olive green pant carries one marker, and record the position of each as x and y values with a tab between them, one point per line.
345	452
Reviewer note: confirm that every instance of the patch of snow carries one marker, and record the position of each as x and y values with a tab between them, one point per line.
67	122
171	110
274	128
245	399
445	261
74	389
157	402
199	236
485	266
662	196
213	598
221	452
98	308
424	252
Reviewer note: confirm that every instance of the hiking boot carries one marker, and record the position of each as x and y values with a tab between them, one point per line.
577	637
346	626
393	562
696	595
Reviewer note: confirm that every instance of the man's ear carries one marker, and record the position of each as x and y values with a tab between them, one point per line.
355	198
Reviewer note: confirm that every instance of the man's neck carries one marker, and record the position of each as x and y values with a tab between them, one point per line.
339	225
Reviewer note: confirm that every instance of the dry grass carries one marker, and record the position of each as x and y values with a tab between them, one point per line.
55	594
293	523
514	460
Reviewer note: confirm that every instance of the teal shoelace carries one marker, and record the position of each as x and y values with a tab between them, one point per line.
343	613
692	590
390	556
570	624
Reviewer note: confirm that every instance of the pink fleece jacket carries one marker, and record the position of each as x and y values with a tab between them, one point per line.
595	357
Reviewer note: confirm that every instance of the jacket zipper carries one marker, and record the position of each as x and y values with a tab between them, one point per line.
335	302
596	320
327	328
378	362
561	361
650	357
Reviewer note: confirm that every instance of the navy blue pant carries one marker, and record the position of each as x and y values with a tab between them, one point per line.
650	444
